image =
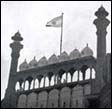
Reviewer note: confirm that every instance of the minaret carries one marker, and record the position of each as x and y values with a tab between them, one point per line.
16	47
101	24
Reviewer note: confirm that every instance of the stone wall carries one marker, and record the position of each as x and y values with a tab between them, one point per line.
64	98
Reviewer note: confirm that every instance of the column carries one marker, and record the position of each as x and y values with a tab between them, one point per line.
44	81
66	77
24	86
78	75
34	84
90	73
29	85
55	79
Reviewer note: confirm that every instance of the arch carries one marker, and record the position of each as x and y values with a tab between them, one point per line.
83	69
59	75
26	85
75	76
50	74
63	78
32	83
46	82
52	80
65	99
93	73
53	98
22	101
29	79
17	86
42	99
69	77
39	77
22	85
32	100
80	76
36	83
42	82
77	97
61	72
87	76
72	70
87	89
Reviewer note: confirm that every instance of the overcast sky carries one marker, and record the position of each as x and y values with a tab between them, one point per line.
30	18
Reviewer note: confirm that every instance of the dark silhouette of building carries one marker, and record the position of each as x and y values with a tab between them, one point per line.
82	92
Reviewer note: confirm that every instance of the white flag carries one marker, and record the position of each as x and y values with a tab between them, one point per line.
56	22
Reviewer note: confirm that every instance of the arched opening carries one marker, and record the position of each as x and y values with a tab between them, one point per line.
83	70
36	83
69	77
72	70
77	97
49	75
87	76
93	73
32	100
32	83
53	99
59	76
29	79
26	85
75	76
42	82
80	76
17	86
63	79
22	101
46	82
52	80
22	86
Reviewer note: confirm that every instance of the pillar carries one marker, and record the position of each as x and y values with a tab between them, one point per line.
16	46
101	24
78	75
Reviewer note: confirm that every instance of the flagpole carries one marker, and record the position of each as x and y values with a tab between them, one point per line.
61	35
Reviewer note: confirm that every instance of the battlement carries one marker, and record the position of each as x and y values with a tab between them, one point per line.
75	54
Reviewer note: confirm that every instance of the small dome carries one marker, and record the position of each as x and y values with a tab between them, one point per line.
63	57
33	63
24	66
17	37
75	54
101	13
53	59
86	52
43	61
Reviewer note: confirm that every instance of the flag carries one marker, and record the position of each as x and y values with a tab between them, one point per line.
56	22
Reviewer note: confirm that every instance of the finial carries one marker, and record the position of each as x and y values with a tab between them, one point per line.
25	60
34	57
87	44
101	5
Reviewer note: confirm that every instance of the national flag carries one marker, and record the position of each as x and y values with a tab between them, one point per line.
55	22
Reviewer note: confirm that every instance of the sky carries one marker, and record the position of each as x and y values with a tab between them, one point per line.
30	18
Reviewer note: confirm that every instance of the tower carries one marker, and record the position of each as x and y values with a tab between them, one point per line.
101	24
16	47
